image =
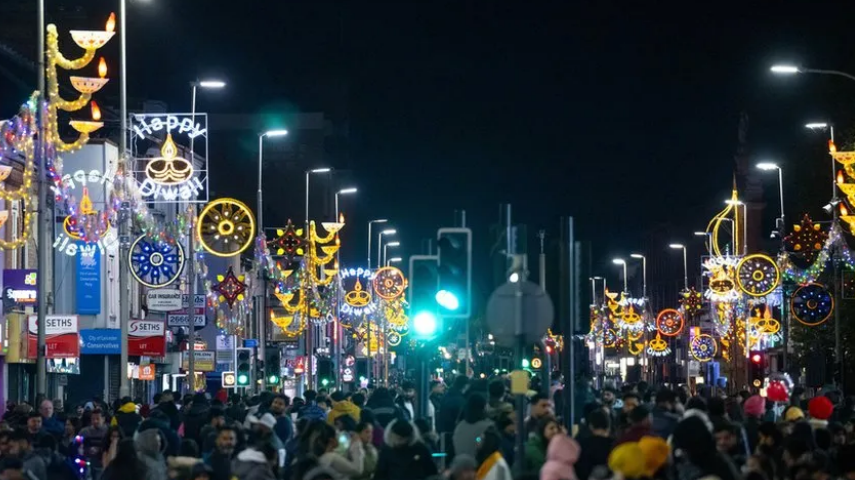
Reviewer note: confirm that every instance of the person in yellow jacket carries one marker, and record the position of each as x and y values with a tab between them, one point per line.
342	406
127	417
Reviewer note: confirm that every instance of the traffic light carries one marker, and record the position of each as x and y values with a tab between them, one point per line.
424	281
244	370
757	368
272	358
454	293
325	371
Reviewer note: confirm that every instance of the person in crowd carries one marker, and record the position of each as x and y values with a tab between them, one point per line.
150	446
820	410
656	452
94	442
367	416
561	458
324	443
358	399
311	410
34	426
753	411
159	421
496	403
342	407
405	456
384	407
369	463
627	461
126	417
262	431
472	426
696	455
639	425
196	416
66	442
50	424
126	465
664	419
21	448
491	464
220	459
451	405
111	444
166	404
507	427
429	437
284	428
201	471
181	466
436	393
463	467
259	462
596	446
325	403
631	399
538	443
406	401
208	434
541	407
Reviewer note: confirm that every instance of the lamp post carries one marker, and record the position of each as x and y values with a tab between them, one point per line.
124	214
372	222
594	289
394	260
622	262
390	244
388	231
708	237
385	326
338	334
343	191
679	246
737	204
643	272
310	346
768	166
191	249
830	128
784	69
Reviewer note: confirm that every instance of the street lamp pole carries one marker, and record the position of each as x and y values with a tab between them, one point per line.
379	220
310	346
622	262
45	216
679	246
388	231
390	244
643	272
338	333
125	214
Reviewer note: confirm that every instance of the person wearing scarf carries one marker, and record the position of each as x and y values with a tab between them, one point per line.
492	466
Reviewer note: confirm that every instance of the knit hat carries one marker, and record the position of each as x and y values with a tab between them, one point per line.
755	406
794	414
820	408
656	451
628	460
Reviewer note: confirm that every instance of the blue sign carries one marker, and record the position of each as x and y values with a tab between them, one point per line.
250	343
89	283
100	341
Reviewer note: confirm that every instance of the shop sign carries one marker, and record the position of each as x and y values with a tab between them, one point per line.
62	339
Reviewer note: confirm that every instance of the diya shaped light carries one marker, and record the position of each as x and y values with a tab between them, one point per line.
169	168
5	171
90	85
843	158
95	39
658	347
87	126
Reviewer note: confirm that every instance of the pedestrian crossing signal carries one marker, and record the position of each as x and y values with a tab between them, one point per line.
229	380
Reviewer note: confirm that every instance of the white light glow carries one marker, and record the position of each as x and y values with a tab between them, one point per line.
767	166
701	234
816	125
347	191
637	255
393	244
784	69
276	133
389	231
396	260
212	84
618	261
676	245
321	170
514	278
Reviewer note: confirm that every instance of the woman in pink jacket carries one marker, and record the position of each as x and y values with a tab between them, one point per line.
562	454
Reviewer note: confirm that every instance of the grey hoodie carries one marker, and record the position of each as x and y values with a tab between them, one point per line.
150	446
250	464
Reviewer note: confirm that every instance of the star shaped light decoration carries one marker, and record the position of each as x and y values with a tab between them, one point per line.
230	288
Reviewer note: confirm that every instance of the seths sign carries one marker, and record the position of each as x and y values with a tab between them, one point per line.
146	338
164	300
61	333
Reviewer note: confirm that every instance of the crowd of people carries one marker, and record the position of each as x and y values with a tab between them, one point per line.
470	433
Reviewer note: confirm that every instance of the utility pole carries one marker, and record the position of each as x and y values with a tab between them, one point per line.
45	216
124	212
547	357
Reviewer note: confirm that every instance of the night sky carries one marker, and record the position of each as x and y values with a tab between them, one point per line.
623	116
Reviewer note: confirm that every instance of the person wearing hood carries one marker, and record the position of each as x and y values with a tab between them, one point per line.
405	455
159	421
256	463
197	416
491	464
342	406
384	407
695	453
311	410
150	446
561	457
168	407
127	417
473	425
451	405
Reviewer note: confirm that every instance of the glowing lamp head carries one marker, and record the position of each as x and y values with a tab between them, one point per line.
96	111
242	379
447	300
102	68
756	358
514	277
111	23
767	166
424	323
784	69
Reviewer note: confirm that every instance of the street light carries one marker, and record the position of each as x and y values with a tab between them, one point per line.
388	231
261	137
786	69
394	260
827	126
308	174
211	83
737	204
768	166
372	222
620	261
678	246
594	288
390	244
643	272
343	191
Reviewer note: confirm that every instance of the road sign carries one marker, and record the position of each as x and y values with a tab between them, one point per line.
199	301
183	320
250	343
205	361
163	300
229	379
147	372
536	363
536	310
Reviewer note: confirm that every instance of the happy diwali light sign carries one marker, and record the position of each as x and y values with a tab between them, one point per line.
161	145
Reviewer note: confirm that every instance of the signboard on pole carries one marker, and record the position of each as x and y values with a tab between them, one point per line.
164	300
88	284
205	361
19	288
146	338
147	372
183	320
62	338
198	301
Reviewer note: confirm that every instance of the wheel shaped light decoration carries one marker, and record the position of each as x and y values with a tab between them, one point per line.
231	288
658	347
812	304
703	347
389	283
670	322
393	339
226	227
609	338
155	264
757	275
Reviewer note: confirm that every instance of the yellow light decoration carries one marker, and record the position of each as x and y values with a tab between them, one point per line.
850	220
844	158
635	335
325	239
5	171
358	297
848	189
757	275
283	297
88	85
635	348
281	322
226	227
724	215
169	169
332	227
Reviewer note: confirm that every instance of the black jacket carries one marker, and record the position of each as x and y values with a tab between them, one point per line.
221	464
195	419
594	451
404	458
171	411
449	411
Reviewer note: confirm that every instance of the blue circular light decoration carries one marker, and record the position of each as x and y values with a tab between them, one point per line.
812	304
155	264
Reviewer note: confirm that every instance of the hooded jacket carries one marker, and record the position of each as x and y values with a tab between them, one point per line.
344	407
150	446
561	455
312	411
159	421
127	419
404	458
171	412
250	464
196	417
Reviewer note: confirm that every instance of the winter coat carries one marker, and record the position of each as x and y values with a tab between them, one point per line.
53	426
535	454
369	463
345	407
250	464
561	456
595	452
312	411
284	429
127	419
94	444
664	422
195	419
449	411
171	411
221	464
150	453
404	458
385	411
173	442
466	435
494	467
344	467
35	464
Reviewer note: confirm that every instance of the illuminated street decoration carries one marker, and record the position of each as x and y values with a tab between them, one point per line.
167	175
692	302
763	327
288	242
355	285
703	347
155	264
231	288
226	227
389	283
670	322
806	239
722	287
757	275
812	305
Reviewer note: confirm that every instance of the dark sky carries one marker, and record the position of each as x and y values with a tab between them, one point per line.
623	114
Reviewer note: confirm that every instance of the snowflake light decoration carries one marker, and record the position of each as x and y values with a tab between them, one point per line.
692	302
806	239
231	288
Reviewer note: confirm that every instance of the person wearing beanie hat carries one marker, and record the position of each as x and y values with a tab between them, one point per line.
754	408
794	414
405	455
656	452
628	460
820	410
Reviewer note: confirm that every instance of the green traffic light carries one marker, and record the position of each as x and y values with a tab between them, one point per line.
243	379
273	379
447	300
325	382
525	363
425	323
